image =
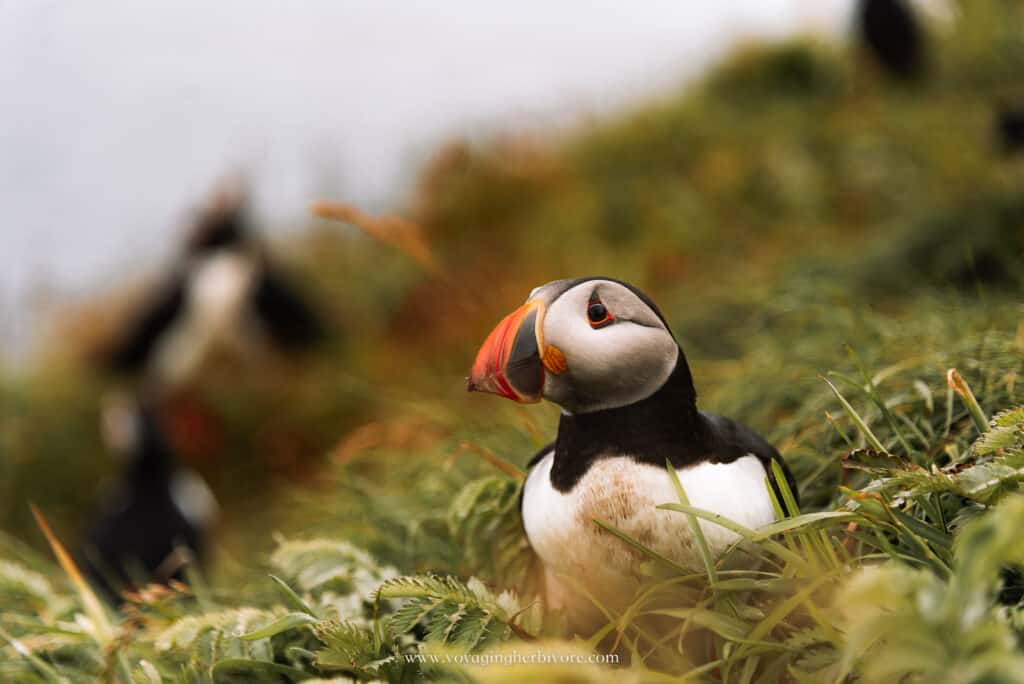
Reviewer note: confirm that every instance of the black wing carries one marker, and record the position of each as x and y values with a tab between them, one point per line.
287	315
132	351
731	440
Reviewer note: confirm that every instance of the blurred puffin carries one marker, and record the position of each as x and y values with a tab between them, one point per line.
602	351
1009	127
153	511
892	34
224	292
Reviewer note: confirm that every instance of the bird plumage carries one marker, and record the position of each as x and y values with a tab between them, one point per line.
892	34
629	410
625	493
1009	127
224	291
152	509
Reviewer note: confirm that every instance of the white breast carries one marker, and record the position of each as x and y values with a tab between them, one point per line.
218	286
625	494
194	499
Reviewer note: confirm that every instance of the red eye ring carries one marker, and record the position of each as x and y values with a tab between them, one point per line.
598	314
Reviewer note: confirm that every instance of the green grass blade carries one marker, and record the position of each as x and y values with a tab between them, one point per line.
959	385
744	532
783	484
872	391
799	522
255	670
38	663
842	433
857	420
780	611
292	598
103	629
726	626
282	624
641	547
698	533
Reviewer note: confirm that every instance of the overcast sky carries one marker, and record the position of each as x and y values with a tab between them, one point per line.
118	116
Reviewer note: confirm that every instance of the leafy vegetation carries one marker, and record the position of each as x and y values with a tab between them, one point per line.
827	247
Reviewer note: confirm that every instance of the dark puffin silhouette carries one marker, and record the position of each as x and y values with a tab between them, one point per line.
1009	127
224	291
157	516
893	36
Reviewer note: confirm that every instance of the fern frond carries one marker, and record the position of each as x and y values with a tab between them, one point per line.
903	621
446	588
315	564
1006	432
461	614
210	637
484	523
356	650
29	590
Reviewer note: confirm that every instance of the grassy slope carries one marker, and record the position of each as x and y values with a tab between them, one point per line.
788	206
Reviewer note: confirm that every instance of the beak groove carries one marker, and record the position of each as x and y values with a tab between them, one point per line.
509	361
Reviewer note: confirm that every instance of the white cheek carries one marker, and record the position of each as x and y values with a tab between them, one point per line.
621	363
625	346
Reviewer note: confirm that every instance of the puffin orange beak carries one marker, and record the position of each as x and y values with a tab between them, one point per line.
510	361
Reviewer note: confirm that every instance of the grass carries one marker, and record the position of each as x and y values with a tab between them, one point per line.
828	248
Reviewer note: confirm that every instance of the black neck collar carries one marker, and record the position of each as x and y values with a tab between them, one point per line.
152	461
665	425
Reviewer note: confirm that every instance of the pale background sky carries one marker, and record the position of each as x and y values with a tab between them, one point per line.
117	116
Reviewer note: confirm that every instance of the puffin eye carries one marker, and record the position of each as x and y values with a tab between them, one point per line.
598	314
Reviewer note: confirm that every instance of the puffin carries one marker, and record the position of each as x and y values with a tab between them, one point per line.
602	351
1009	127
154	509
892	34
224	292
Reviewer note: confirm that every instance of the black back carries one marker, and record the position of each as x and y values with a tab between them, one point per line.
139	528
731	439
664	426
890	31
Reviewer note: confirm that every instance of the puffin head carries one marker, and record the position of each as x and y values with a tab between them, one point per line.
586	344
221	224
